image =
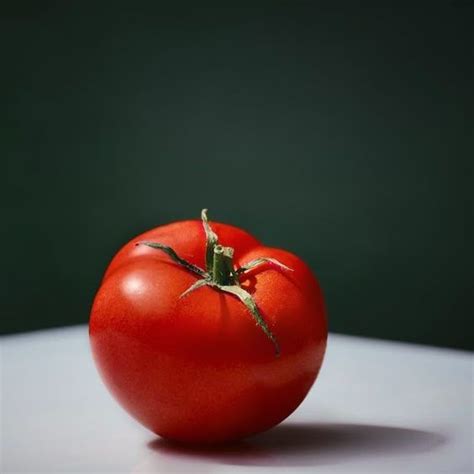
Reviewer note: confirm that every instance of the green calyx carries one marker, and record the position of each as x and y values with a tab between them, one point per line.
221	274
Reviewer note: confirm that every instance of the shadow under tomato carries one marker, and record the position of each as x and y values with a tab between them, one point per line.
306	444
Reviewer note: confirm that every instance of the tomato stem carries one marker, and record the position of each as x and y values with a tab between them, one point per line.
223	272
211	241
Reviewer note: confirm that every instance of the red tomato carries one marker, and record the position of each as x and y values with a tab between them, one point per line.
199	368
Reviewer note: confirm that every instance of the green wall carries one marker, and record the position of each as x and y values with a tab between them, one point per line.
340	134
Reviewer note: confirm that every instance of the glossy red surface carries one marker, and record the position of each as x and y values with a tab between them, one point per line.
199	369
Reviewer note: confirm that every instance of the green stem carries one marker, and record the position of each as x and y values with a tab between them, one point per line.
221	274
211	241
222	266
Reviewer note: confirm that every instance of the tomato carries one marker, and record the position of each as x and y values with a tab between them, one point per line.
205	335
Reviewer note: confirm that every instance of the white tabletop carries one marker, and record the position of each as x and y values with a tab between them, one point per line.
376	407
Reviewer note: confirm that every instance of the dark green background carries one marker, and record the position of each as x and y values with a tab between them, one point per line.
340	134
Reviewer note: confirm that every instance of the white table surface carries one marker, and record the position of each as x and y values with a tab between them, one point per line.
376	407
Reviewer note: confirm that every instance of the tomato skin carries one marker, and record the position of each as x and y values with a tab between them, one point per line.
198	369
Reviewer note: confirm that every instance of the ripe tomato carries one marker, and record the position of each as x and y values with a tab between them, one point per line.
232	357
